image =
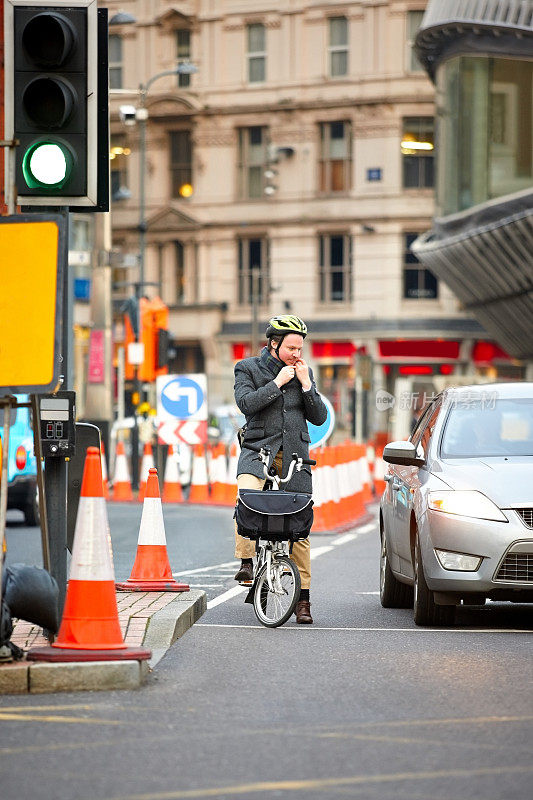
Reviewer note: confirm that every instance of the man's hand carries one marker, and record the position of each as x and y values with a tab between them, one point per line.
284	376
302	373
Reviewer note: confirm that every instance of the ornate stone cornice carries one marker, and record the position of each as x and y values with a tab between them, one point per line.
215	138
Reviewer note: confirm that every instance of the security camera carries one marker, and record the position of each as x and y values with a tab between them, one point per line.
127	114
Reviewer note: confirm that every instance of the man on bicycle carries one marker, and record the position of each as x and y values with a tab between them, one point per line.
277	394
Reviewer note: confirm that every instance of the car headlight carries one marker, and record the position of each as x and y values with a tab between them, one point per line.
458	561
466	504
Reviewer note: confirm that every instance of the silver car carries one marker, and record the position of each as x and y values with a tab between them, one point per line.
456	517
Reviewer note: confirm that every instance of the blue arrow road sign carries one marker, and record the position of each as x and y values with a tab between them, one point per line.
319	433
182	397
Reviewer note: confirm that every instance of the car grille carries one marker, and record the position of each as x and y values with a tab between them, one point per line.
516	567
527	515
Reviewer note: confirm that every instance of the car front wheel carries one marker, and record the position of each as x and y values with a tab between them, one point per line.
392	593
426	610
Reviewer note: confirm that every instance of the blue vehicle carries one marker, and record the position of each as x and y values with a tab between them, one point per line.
22	464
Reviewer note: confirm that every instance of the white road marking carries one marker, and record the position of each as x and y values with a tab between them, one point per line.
370	630
204	569
216	601
344	539
229	565
371	526
319	551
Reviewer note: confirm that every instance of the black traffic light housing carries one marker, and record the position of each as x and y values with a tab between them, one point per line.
56	102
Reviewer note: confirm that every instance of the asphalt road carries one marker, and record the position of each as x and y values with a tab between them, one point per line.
363	704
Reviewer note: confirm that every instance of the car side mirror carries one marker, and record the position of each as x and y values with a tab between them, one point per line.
403	453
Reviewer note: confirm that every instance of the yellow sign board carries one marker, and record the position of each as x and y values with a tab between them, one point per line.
31	283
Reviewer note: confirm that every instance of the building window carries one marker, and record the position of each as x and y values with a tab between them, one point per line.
179	260
181	163
115	61
335	156
183	54
254	279
252	162
414	21
335	268
338	46
419	283
256	34
118	161
485	130
418	144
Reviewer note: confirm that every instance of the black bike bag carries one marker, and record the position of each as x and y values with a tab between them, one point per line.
274	515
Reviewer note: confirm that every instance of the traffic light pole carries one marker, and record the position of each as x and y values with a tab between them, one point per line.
56	469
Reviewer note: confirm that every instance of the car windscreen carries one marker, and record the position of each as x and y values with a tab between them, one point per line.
481	428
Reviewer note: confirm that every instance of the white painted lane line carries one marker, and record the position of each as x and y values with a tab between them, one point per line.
216	601
347	537
371	526
369	630
236	590
319	551
204	569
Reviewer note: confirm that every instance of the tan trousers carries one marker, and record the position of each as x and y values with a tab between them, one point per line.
245	548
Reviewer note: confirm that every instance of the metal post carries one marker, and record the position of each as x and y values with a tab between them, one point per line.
56	469
5	404
255	308
142	116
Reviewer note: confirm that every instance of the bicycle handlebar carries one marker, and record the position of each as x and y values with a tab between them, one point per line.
265	450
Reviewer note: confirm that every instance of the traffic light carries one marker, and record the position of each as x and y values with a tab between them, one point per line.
152	318
56	101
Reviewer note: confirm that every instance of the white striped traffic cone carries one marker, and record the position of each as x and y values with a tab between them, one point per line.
199	492
172	491
231	479
147	464
122	492
151	571
90	628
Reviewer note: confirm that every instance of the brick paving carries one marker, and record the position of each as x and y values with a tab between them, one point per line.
134	612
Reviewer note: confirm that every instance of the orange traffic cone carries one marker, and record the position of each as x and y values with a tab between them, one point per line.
172	491
147	464
151	571
90	628
231	479
199	492
121	483
105	479
218	475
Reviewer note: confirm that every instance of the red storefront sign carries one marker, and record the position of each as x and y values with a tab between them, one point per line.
423	349
96	357
333	350
487	352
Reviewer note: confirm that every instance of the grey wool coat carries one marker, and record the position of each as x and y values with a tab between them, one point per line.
276	418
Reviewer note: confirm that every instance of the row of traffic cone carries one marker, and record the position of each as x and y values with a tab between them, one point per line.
90	627
219	488
342	487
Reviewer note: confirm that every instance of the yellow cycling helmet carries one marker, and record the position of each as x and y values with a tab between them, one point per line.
284	324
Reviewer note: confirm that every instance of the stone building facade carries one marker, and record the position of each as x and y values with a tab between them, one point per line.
291	171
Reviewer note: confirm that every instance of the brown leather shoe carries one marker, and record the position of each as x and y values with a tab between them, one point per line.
303	612
245	574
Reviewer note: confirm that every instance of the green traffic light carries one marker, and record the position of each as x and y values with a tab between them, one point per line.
47	165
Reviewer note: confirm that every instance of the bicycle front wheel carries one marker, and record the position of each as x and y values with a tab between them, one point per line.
275	600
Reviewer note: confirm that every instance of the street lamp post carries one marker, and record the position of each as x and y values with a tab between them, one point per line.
141	116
